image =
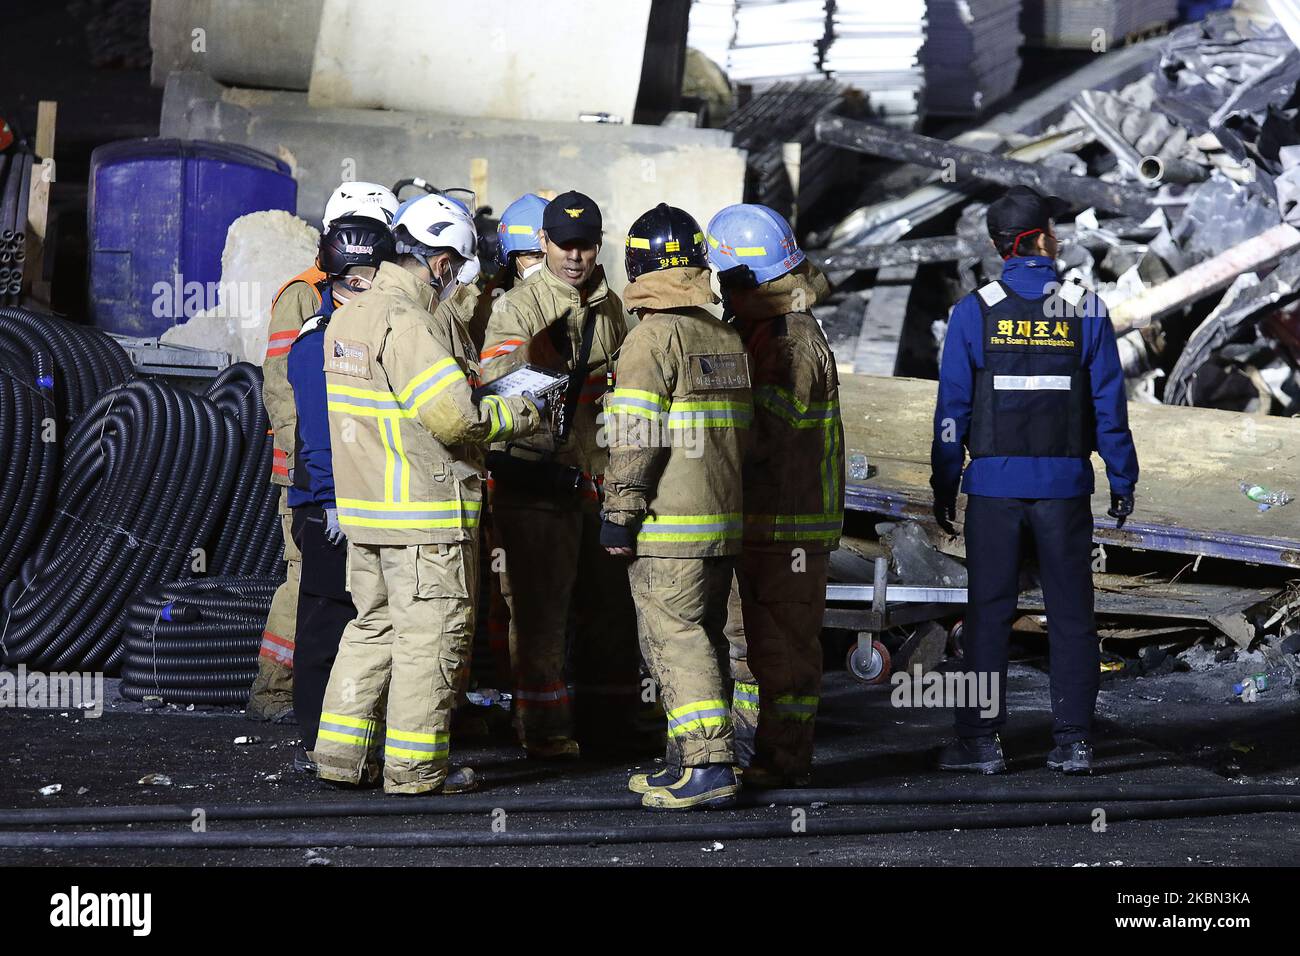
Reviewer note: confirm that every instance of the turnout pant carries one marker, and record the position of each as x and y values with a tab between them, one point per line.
324	609
681	607
744	687
410	644
272	690
555	570
1061	531
782	604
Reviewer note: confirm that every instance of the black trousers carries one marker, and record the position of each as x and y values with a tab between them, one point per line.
324	609
1061	531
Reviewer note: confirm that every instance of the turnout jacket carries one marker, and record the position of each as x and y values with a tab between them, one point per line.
407	436
525	311
295	303
678	420
794	470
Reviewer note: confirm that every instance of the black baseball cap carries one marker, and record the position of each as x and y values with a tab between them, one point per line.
571	217
1023	210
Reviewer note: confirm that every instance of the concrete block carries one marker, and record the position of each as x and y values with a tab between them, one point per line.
626	169
497	58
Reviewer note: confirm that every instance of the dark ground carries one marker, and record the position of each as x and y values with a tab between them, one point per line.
1179	728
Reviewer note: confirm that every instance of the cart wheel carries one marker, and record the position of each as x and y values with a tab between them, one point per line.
869	667
955	647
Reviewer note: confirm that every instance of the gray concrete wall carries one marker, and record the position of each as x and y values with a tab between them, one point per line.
264	43
626	169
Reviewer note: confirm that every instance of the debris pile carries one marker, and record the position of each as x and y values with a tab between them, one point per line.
1186	180
971	56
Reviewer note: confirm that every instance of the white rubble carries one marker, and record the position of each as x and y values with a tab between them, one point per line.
263	251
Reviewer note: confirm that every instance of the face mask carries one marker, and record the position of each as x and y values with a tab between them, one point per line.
532	269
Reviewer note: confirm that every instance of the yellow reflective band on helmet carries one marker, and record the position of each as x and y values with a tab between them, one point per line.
713	242
520	230
698	715
636	242
698	237
747	251
686	528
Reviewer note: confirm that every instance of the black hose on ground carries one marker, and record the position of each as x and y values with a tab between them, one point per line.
196	641
248	541
146	473
662	831
379	806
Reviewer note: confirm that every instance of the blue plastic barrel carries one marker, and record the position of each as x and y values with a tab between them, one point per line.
159	212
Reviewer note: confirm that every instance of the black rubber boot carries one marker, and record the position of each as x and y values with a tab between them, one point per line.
973	755
1071	758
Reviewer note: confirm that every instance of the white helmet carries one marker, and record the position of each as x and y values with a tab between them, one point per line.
435	222
361	199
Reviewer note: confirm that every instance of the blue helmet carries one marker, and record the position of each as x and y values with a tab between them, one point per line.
519	226
755	236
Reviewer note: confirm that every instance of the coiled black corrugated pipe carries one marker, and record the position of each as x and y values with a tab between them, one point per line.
86	361
661	831
196	641
249	541
31	452
146	473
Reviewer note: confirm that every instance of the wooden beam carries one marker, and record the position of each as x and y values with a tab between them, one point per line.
38	204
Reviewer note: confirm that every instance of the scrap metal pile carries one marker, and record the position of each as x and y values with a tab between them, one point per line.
1187	186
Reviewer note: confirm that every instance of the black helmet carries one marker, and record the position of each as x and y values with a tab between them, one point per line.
664	238
355	241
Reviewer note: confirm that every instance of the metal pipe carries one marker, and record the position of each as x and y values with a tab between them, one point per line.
9	199
24	195
1084	106
1155	170
939	154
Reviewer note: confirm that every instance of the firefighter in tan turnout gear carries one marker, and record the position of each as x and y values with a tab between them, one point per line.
297	301
545	498
407	437
678	421
793	485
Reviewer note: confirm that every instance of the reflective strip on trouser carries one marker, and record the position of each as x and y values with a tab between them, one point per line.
697	715
783	611
1031	383
554	564
681	606
346	731
413	745
277	649
409	645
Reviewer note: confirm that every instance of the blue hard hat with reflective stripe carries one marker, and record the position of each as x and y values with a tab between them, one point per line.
748	234
519	226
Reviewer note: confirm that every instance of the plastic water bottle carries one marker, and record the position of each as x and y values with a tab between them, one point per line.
1263	497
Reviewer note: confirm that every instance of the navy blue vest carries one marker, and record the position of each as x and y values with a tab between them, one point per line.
1033	397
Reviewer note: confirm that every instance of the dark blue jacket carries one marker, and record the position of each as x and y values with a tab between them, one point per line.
307	378
963	353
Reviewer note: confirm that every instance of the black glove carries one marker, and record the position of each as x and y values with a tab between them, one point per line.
1121	506
617	535
945	511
